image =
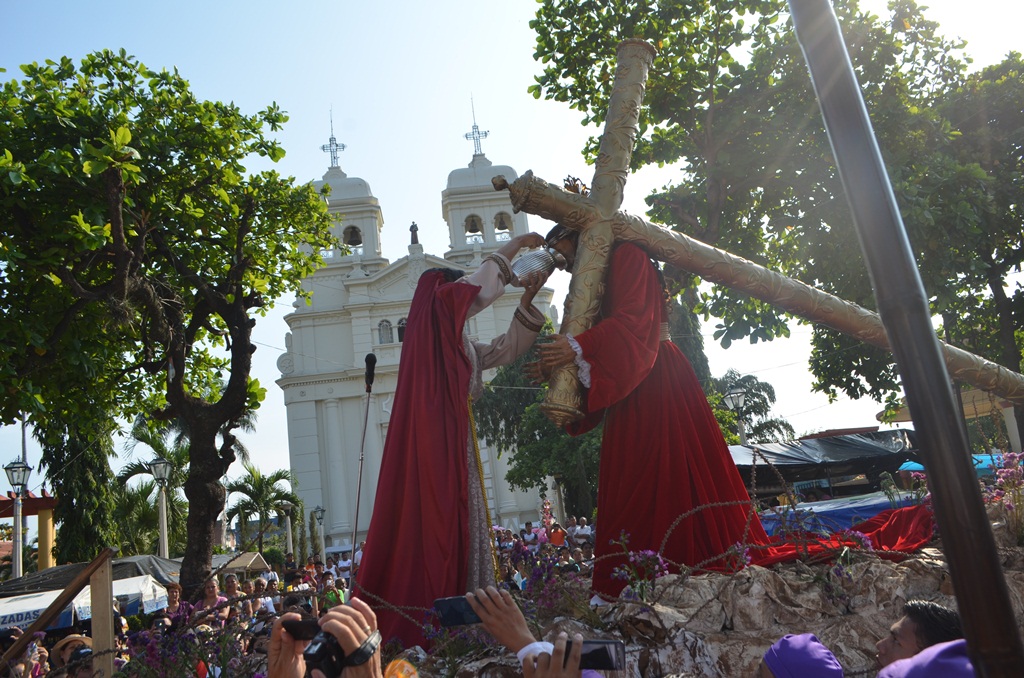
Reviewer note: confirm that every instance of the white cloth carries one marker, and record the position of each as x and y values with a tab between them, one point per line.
582	366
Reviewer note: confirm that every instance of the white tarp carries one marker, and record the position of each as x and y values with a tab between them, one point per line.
23	610
134	595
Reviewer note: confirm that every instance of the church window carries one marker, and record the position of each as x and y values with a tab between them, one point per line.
353	238
384	333
502	226
401	330
474	229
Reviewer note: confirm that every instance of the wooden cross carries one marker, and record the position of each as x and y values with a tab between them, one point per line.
601	224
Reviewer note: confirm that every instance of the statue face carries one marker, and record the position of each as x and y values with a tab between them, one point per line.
567	249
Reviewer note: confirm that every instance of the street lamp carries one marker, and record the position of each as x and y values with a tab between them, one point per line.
734	401
17	473
288	507
318	513
161	470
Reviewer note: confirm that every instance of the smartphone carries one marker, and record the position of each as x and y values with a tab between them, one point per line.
600	655
302	629
455	611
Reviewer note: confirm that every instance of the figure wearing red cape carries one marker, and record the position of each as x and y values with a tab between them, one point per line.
428	536
667	479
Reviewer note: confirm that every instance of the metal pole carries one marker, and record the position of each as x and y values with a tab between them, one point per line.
16	562
323	547
742	429
164	551
982	595
371	363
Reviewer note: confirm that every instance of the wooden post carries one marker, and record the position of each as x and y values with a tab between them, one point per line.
101	585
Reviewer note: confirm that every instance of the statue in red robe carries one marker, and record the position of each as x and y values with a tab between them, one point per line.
662	451
429	536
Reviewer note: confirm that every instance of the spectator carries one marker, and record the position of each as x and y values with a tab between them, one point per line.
345	568
529	537
212	608
64	647
799	656
180	611
583	532
353	626
557	535
503	620
264	601
330	595
357	559
271	576
241	606
80	662
948	660
289	562
922	625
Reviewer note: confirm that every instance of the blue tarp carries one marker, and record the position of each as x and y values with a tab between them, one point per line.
983	464
831	515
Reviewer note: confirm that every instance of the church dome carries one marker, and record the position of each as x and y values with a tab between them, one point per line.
344	187
479	173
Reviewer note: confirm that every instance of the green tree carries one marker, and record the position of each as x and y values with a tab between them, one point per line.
77	456
759	396
509	417
262	496
729	102
136	253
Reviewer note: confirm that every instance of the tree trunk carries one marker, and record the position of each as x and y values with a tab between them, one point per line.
205	496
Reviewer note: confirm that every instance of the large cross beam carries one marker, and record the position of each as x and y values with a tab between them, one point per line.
600	224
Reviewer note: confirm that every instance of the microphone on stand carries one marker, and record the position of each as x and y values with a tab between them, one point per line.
371	363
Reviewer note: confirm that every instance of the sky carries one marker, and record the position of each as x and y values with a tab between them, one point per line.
401	82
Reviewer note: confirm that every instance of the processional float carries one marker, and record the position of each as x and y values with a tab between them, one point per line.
902	325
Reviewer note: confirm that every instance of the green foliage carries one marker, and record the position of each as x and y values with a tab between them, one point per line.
729	102
262	496
274	556
136	251
759	397
509	417
77	455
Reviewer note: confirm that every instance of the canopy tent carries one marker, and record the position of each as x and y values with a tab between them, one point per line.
869	453
23	610
163	570
134	595
242	562
984	464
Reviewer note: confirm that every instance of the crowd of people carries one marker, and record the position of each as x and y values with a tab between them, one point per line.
220	627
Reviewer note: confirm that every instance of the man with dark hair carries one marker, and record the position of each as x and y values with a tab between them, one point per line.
922	625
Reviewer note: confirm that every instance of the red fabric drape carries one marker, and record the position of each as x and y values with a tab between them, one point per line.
417	545
663	454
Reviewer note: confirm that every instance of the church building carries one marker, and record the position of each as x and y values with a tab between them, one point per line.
360	302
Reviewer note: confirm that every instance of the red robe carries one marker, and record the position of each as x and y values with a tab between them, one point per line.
662	452
418	545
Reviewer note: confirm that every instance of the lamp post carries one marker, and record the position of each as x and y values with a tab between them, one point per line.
17	473
161	470
318	513
734	401
288	508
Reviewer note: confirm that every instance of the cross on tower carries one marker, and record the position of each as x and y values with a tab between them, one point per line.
333	147
476	135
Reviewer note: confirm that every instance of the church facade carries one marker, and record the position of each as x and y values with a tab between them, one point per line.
359	304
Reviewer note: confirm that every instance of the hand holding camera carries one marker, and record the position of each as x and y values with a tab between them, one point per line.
348	642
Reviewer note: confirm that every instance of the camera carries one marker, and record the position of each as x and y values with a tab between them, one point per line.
324	653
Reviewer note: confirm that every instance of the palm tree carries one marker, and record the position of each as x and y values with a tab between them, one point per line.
137	516
262	497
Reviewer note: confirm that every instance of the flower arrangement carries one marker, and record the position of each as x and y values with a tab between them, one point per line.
1007	492
640	570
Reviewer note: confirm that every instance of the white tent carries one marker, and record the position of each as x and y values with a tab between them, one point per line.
135	595
23	610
